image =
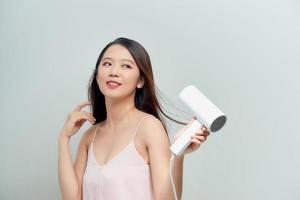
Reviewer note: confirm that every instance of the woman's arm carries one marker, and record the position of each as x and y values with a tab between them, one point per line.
158	144
71	175
67	177
177	174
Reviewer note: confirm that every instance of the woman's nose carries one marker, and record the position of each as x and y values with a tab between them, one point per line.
114	70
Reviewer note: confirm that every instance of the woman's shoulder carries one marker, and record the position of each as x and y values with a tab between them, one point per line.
149	119
89	134
152	130
151	124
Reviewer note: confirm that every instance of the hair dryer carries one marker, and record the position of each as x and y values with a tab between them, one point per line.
206	114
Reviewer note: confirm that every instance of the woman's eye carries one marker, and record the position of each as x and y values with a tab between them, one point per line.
106	63
127	66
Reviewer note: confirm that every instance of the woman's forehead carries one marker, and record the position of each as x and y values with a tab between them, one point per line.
118	52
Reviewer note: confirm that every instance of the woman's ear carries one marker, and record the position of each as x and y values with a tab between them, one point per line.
141	82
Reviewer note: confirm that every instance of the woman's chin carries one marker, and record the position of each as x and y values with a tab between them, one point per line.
113	95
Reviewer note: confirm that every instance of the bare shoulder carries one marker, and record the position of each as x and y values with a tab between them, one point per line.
88	135
151	122
153	130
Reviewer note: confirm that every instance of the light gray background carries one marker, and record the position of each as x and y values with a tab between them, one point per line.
244	55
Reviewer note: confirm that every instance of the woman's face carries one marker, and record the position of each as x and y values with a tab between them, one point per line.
118	65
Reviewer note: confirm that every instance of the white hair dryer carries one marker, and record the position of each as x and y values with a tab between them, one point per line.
206	114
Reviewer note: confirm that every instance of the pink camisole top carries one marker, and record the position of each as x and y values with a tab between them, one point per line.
125	177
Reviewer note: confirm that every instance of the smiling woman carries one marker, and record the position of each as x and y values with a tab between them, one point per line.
118	70
125	154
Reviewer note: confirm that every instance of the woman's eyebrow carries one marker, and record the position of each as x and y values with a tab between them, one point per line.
120	59
128	60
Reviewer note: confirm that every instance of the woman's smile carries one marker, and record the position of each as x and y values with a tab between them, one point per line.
112	84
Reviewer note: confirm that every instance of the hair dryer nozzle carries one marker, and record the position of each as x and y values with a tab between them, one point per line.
205	111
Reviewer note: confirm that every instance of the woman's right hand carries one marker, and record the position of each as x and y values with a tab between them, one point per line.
76	119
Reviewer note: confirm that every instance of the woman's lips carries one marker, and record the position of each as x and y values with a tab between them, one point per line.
113	84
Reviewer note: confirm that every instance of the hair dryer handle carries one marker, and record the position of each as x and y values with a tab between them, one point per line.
184	140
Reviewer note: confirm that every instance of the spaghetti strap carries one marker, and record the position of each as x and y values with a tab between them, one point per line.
124	176
95	133
135	131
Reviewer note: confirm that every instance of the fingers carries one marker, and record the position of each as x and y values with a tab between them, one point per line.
198	138
201	135
88	116
81	105
82	116
196	141
203	130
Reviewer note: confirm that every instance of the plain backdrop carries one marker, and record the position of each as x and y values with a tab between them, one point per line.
243	55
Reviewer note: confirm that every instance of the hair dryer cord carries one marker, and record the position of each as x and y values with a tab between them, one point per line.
171	177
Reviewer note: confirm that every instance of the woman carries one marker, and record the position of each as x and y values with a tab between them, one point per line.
125	154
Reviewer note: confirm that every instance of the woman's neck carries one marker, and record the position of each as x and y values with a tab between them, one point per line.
119	113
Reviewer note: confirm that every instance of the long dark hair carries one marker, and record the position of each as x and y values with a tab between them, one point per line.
145	97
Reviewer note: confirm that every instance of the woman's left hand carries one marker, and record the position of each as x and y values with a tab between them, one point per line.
197	139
